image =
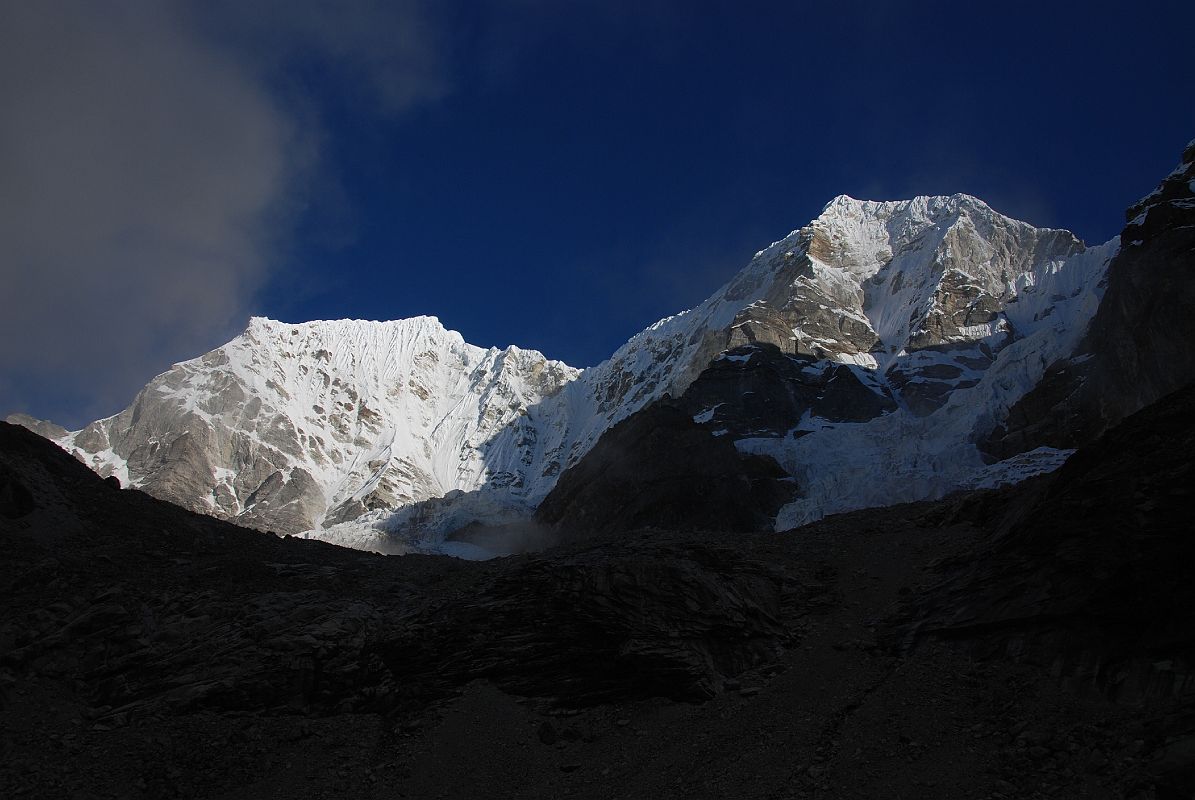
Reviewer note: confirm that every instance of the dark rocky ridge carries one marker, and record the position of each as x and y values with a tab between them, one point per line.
1138	347
756	390
659	468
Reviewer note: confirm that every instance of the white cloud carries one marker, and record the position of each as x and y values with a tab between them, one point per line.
147	171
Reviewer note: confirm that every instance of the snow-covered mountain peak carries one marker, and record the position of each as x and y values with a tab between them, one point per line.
847	215
380	352
291	425
868	282
863	236
286	337
1172	197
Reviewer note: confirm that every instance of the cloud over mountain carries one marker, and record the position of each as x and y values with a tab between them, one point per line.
151	163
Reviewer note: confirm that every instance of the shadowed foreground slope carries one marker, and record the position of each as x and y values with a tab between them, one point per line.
1030	642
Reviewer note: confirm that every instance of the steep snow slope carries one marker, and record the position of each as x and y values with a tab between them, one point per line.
388	435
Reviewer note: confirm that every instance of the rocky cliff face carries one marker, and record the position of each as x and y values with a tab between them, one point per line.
1139	345
924	319
658	468
877	345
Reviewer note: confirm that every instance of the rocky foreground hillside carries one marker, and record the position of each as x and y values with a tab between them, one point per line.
1019	643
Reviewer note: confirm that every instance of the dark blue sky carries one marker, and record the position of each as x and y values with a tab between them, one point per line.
558	175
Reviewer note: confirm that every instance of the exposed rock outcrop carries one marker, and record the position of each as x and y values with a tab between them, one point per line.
1138	347
757	391
661	469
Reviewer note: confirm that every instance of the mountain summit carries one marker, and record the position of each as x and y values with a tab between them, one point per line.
291	427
